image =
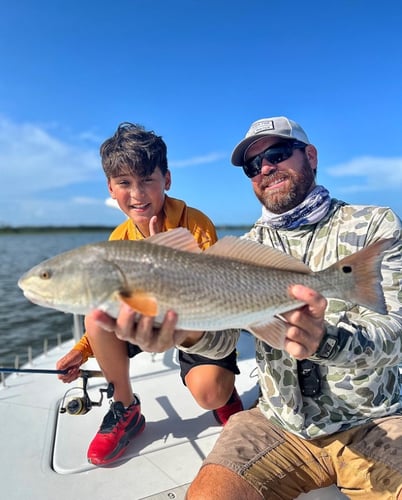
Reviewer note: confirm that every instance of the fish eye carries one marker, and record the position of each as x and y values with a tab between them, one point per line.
45	274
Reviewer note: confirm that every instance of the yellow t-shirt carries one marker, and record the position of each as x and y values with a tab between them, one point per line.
176	214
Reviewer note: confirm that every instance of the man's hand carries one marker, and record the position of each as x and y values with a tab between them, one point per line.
140	330
306	324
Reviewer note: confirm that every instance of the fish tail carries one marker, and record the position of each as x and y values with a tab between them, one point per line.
364	268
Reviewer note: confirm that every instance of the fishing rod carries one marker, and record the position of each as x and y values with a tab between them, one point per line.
78	405
83	373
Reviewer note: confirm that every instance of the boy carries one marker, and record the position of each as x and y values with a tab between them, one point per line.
135	163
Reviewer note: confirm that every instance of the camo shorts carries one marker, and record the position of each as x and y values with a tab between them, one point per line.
365	462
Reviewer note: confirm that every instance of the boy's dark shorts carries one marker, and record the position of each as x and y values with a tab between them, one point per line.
188	361
132	350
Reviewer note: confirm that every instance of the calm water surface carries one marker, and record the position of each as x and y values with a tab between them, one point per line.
23	324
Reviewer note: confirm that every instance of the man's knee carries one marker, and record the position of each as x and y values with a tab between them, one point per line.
220	483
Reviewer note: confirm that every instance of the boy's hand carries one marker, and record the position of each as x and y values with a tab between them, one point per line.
140	330
71	362
153	225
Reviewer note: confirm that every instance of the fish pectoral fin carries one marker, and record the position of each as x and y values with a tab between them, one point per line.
273	332
142	302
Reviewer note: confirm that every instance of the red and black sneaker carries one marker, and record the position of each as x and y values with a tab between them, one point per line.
119	426
234	405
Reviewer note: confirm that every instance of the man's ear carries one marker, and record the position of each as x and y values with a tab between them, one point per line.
312	156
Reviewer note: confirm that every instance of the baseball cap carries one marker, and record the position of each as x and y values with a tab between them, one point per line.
278	126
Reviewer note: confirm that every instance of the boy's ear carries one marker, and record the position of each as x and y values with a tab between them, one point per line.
109	186
168	180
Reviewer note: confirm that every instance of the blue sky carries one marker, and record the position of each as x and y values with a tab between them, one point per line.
197	73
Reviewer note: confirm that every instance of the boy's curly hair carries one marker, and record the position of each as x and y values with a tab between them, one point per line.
133	150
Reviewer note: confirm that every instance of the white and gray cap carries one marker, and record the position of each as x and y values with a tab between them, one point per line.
277	126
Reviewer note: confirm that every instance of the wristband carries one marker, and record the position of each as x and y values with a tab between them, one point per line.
328	347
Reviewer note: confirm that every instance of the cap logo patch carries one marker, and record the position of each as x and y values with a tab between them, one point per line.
265	125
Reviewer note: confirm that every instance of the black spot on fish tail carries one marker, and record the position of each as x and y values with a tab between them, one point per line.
363	284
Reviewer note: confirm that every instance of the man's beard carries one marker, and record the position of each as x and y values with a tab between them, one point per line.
281	201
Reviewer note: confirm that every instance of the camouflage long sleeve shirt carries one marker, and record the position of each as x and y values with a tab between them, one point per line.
362	381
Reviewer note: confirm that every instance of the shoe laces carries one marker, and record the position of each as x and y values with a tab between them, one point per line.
112	418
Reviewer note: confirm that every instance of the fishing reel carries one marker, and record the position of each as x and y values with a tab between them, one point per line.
80	405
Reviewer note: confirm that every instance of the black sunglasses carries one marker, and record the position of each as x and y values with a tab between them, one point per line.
274	154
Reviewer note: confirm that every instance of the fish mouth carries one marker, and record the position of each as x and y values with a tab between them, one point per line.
39	300
35	299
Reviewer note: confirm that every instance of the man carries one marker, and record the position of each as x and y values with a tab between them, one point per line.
136	167
330	410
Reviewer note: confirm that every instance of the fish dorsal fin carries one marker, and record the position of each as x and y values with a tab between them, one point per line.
179	238
256	253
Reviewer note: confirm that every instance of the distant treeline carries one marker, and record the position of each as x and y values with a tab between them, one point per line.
66	229
51	229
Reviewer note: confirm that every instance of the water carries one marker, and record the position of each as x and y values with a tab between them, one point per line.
24	325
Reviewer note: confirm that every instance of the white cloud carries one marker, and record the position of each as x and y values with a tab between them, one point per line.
90	136
110	202
86	200
198	160
368	173
33	160
74	211
42	177
35	166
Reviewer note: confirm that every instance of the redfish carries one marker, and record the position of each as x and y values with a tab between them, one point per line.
236	283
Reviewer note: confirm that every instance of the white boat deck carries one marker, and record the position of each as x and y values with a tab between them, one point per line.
43	451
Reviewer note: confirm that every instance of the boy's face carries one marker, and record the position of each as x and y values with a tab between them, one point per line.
140	198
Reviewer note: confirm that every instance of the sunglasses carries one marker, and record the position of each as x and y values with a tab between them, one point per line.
274	154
